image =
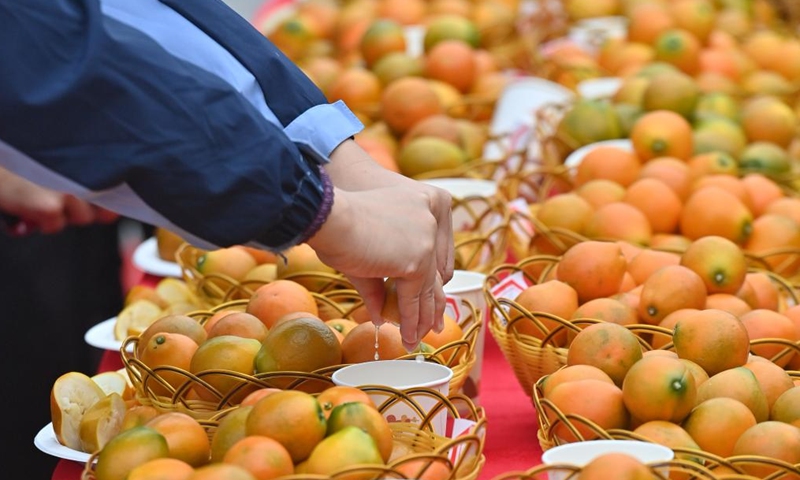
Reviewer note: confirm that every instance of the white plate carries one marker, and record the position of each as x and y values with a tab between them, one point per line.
146	258
47	442
575	158
604	87
102	335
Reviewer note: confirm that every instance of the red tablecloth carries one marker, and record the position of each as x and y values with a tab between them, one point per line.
511	442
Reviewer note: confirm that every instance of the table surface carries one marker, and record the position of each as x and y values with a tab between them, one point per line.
511	442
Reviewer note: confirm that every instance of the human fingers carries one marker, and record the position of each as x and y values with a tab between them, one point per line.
45	212
373	293
441	207
440	303
77	211
105	216
416	302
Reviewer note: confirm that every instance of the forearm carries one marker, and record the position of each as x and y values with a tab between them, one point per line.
102	105
351	168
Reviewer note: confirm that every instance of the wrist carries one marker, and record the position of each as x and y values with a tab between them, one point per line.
331	232
351	168
325	208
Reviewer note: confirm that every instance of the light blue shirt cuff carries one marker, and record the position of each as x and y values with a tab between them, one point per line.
320	129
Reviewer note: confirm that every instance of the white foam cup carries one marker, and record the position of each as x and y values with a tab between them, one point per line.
401	375
468	285
581	453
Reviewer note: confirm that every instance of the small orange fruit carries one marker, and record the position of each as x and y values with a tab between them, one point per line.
657	201
648	261
167	350
230	429
672	171
771	439
717	423
163	469
186	438
593	268
669	289
273	300
714	339
359	345
263	457
615	465
662	133
740	384
571	373
293	418
241	324
610	163
366	418
774	380
714	211
610	347
761	324
452	62
786	408
594	400
659	388
552	297
720	263
406	101
728	302
299	345
382	37
680	48
332	397
600	192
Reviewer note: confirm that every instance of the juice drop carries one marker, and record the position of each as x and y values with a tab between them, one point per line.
377	332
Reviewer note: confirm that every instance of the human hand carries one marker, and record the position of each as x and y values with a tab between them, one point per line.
402	232
44	210
351	168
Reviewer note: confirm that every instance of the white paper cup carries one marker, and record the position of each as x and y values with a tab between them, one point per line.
461	188
468	285
581	453
401	375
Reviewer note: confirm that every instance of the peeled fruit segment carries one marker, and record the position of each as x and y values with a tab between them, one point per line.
135	318
113	382
102	422
73	393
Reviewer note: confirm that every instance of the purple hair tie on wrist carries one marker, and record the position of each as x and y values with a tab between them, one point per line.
324	207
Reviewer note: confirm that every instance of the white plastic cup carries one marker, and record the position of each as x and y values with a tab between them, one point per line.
468	285
401	375
581	453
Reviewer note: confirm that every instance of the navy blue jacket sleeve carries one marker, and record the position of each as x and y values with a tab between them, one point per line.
103	105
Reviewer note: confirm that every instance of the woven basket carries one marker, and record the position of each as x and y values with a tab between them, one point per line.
459	355
531	357
546	410
572	472
463	454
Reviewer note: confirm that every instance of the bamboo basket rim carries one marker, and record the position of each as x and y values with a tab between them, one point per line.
467	448
548	440
532	357
459	355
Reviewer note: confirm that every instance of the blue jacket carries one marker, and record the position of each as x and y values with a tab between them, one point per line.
116	102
